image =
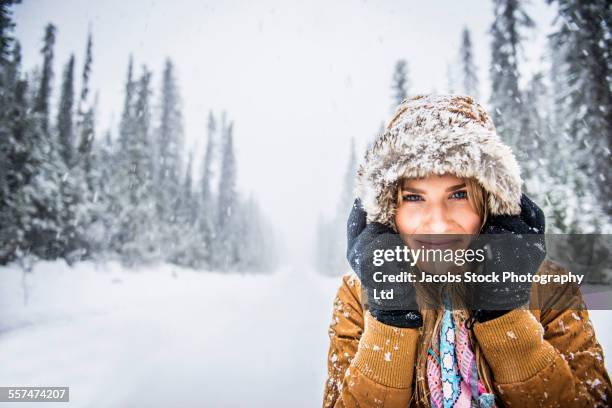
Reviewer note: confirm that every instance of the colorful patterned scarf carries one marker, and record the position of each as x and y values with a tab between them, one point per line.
452	374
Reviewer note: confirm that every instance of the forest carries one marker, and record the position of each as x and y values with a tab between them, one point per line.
127	194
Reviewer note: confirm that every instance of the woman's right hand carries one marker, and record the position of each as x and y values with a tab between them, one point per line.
363	240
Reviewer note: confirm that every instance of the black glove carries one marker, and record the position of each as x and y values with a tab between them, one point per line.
511	243
362	240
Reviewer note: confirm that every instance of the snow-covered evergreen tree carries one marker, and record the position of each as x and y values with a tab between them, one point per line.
226	239
257	241
400	85
534	125
583	37
132	194
91	200
169	146
73	217
41	200
510	19
187	251
15	164
141	245
10	146
65	114
451	78
330	258
85	124
208	161
103	225
207	215
469	73
119	187
7	26
569	205
44	91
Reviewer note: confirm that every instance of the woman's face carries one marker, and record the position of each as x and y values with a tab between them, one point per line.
436	205
432	206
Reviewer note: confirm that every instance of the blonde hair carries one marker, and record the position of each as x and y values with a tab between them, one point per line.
432	317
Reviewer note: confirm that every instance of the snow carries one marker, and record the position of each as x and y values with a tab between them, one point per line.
165	336
144	338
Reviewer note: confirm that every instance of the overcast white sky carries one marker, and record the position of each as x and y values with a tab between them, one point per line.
299	79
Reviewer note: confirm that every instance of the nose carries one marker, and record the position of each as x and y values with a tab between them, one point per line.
437	221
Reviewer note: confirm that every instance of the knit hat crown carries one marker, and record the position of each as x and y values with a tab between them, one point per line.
437	134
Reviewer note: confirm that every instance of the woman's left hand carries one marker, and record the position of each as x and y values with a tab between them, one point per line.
512	243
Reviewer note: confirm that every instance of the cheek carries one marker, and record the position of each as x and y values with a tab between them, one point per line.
469	220
408	219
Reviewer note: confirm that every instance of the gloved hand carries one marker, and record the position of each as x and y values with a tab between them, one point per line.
511	243
362	240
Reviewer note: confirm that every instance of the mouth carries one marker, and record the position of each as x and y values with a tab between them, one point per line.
438	243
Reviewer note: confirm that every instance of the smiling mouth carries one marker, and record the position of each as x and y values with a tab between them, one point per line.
438	243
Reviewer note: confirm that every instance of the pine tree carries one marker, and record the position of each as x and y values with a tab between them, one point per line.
43	212
119	189
469	80
510	19
451	80
85	76
535	126
331	235
126	126
104	226
70	218
226	239
168	166
169	144
141	244
7	26
14	152
141	154
85	125
44	91
207	214
257	241
570	205
400	83
188	251
187	192
65	115
124	197
584	38
558	93
208	159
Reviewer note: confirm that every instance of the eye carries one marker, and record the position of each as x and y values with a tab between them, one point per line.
412	197
461	195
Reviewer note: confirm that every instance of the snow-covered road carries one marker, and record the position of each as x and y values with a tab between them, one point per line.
151	339
172	337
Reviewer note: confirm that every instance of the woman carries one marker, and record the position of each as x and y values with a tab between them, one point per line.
440	168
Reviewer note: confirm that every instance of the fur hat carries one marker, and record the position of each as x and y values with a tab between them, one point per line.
437	134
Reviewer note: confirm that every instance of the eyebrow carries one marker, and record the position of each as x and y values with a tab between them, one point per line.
416	190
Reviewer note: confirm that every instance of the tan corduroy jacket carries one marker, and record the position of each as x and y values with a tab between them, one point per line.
547	356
